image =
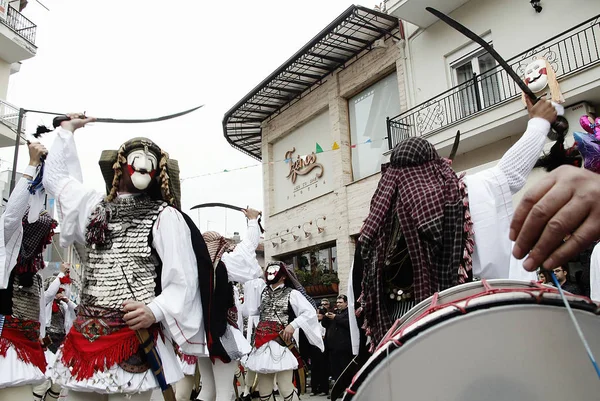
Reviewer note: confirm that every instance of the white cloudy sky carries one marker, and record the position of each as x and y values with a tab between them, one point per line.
134	59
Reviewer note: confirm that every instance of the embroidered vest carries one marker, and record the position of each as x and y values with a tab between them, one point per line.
122	265
274	305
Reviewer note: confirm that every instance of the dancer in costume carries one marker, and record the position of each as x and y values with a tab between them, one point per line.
60	314
429	229
232	263
284	308
141	278
24	234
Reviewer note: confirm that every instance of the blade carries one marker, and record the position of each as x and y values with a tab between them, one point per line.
476	38
216	204
455	146
146	120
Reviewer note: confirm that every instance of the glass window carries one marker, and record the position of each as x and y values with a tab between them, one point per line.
474	95
368	130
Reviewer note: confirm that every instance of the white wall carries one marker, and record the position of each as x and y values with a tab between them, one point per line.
514	27
4	76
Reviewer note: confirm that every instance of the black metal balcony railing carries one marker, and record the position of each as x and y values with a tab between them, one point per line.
21	25
569	52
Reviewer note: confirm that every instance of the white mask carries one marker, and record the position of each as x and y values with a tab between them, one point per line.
536	76
272	272
142	167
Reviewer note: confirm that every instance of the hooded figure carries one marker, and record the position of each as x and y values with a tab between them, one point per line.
429	229
144	258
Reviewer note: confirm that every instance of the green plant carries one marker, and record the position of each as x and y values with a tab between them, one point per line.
328	278
305	278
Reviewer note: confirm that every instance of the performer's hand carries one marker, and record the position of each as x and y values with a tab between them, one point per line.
251	214
65	268
61	297
137	315
288	332
564	202
36	152
542	109
78	120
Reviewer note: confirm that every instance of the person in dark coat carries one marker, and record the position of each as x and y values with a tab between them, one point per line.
338	337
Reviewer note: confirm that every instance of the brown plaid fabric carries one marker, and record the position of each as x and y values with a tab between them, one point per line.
422	191
36	236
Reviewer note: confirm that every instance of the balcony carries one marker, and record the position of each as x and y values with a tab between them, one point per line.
17	37
569	53
9	118
414	11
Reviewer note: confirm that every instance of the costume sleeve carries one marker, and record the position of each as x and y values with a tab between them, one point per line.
11	233
52	290
252	293
63	180
178	306
241	263
306	319
595	274
518	161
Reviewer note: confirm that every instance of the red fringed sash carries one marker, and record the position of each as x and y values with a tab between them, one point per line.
87	357
265	332
23	336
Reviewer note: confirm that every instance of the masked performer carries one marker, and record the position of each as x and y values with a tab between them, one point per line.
60	314
425	233
24	234
284	308
231	263
142	274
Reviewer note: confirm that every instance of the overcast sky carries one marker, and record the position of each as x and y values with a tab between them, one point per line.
137	59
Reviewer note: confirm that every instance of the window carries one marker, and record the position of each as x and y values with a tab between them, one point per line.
323	259
479	86
368	111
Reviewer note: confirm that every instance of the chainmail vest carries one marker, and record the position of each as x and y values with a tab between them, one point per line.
124	265
57	322
26	300
274	305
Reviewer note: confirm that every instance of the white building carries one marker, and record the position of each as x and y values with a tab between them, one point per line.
452	84
325	120
17	43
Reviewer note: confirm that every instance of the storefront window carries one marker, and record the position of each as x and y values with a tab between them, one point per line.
315	266
368	131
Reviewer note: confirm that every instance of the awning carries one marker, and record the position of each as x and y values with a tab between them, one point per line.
348	35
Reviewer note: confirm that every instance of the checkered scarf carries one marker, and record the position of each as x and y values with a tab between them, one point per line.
217	245
36	236
424	194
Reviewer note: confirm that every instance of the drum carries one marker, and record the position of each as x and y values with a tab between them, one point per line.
495	340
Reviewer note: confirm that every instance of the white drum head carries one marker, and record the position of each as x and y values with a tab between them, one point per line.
525	352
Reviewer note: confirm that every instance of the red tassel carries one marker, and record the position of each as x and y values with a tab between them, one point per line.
65	280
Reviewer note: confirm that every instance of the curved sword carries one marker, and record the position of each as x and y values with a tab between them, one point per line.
227	206
59	119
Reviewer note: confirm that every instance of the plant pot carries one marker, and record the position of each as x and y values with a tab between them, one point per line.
321	289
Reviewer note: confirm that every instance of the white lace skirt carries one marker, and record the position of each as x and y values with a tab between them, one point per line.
15	372
271	358
115	380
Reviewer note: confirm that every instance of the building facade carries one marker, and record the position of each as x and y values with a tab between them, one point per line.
17	43
374	81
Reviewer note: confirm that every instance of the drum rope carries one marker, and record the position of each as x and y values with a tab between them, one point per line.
575	323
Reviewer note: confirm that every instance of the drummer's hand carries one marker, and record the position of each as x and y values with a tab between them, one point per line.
564	202
137	315
78	120
251	214
288	332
